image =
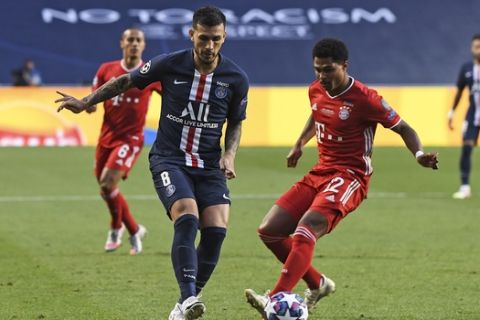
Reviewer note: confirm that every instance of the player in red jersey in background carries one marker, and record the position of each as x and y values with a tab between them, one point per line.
121	139
344	117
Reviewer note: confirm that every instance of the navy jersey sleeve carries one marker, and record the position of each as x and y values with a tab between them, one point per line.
238	108
150	72
461	81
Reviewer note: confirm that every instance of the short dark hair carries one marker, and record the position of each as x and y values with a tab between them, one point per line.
331	48
476	36
209	16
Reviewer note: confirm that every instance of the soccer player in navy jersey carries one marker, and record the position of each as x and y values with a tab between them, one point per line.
201	90
469	76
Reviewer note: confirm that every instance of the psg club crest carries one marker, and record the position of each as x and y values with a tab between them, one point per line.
220	92
170	190
344	112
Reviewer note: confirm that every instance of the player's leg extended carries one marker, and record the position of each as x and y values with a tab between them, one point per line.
108	181
311	227
275	231
470	136
184	214
213	229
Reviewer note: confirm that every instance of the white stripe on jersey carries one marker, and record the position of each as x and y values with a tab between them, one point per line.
206	89
368	135
476	94
195	144
195	83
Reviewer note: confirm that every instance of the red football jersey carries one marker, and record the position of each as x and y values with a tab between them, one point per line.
346	123
124	114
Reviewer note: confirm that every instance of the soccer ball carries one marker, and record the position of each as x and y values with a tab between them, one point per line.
286	306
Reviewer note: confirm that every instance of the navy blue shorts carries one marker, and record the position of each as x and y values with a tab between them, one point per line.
207	187
470	130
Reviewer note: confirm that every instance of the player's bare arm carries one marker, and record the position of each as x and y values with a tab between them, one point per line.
412	141
109	90
233	134
456	101
296	152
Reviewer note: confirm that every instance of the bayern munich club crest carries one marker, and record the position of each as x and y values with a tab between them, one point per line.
344	112
220	92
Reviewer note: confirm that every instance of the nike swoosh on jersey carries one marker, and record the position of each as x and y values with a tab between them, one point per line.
179	82
225	197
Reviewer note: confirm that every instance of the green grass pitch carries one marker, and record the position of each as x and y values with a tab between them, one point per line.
409	252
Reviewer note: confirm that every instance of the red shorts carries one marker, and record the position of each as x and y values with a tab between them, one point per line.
333	193
121	157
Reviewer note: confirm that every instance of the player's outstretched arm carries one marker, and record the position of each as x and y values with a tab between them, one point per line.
110	89
233	134
412	141
296	152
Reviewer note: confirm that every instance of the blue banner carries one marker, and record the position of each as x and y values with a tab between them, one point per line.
390	42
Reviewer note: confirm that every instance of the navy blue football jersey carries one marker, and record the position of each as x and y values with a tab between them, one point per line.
195	107
470	76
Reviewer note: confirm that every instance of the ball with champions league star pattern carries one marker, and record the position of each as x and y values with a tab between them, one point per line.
286	306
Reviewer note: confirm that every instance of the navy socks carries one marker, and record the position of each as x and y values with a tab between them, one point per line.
465	164
208	252
184	255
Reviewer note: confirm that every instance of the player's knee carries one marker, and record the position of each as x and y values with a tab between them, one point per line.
107	186
469	143
317	222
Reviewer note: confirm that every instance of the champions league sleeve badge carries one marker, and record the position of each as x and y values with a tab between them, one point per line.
146	67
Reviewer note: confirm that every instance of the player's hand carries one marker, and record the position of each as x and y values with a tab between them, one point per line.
429	160
450	123
227	165
293	156
91	109
70	103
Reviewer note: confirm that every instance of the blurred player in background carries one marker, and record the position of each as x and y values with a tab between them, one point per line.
469	76
345	114
201	89
121	139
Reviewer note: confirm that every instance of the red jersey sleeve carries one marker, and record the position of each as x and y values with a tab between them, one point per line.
380	111
99	79
156	86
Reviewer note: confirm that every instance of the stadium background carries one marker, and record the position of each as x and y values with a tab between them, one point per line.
409	50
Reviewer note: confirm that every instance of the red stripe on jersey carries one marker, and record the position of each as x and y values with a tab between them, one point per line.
201	86
189	147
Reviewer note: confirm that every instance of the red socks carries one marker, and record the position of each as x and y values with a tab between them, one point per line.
298	261
120	212
281	247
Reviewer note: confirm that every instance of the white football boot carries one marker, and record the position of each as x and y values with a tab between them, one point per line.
114	239
312	296
463	193
176	313
193	308
136	240
257	301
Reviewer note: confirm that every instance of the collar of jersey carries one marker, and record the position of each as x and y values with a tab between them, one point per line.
124	67
338	95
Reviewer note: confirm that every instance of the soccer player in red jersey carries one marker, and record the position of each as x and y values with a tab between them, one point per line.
344	117
121	139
